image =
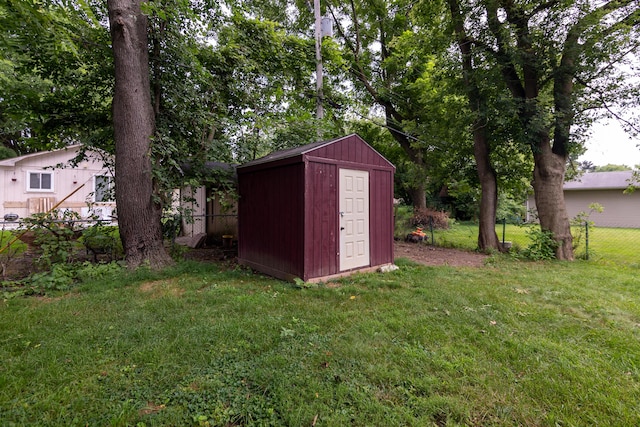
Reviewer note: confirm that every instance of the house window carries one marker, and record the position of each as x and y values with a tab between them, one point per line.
104	189
40	181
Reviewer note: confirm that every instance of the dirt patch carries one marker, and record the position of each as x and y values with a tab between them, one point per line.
16	267
434	255
161	288
417	252
151	408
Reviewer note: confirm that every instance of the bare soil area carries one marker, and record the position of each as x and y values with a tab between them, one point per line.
434	255
417	252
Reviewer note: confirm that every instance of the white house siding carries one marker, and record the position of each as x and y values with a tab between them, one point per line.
222	218
208	215
17	198
196	205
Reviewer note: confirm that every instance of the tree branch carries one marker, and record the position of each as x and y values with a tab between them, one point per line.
507	67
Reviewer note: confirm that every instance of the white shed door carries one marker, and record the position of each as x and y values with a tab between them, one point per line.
354	219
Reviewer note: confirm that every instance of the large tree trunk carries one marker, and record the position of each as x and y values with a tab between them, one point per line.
548	182
139	211
487	236
418	196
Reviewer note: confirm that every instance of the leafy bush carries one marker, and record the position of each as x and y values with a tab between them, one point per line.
62	277
582	223
171	226
542	247
429	217
103	239
88	271
55	234
59	278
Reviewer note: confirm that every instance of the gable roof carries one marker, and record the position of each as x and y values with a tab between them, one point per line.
291	153
12	161
618	180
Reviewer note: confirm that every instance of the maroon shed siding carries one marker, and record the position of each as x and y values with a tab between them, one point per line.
321	220
351	149
288	208
270	220
381	216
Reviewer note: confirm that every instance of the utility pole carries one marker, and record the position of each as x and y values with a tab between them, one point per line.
318	36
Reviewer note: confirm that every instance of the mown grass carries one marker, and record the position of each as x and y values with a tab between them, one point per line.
508	344
614	245
605	244
10	245
464	235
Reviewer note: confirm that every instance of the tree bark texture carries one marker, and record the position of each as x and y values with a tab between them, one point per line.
523	76
418	196
487	236
548	183
139	212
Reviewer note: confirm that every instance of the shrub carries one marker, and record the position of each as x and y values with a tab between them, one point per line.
581	224
542	247
55	234
429	217
89	272
103	239
60	278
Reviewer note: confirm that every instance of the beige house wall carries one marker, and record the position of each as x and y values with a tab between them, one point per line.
222	216
620	210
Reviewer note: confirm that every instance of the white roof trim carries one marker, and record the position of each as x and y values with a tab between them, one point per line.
11	162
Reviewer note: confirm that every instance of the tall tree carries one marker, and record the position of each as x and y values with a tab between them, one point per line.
139	209
487	236
264	81
395	64
56	79
556	60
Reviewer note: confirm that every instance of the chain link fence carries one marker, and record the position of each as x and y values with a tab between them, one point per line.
618	245
615	245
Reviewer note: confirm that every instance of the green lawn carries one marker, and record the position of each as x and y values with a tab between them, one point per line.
606	245
615	245
508	344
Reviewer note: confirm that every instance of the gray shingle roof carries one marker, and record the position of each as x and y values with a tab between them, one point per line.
600	181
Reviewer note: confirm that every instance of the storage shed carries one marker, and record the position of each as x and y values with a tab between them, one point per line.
316	212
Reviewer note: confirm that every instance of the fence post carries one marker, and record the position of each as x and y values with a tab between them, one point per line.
586	239
431	229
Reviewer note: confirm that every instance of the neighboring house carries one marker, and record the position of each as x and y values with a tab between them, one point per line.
607	189
35	183
206	209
